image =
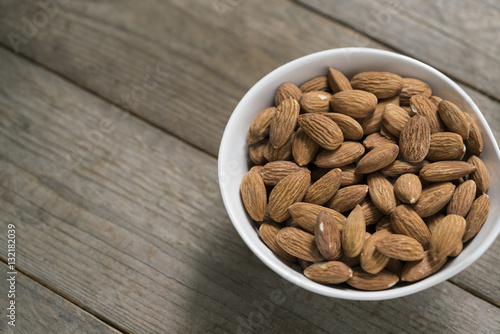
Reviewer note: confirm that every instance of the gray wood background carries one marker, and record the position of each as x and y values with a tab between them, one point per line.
111	113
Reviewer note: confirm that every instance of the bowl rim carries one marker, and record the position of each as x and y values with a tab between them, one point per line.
289	273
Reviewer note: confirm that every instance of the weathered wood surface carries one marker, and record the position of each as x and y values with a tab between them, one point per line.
41	311
140	234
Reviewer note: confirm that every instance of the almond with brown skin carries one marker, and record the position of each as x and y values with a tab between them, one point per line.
315	101
375	140
377	158
401	247
370	211
381	193
412	86
253	193
415	139
351	129
408	188
384	224
327	236
404	220
435	99
474	142
256	153
365	281
447	235
283	153
382	84
316	84
446	170
299	244
348	197
268	232
462	199
371	123
476	216
273	172
434	198
289	190
395	266
353	235
347	153
287	91
304	264
354	103
417	270
325	188
332	272
304	149
433	221
337	80
480	175
399	167
306	215
259	129
322	130
349	177
423	106
394	119
371	259
454	118
384	132
283	123
445	146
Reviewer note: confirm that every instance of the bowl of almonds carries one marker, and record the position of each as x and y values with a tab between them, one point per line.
361	174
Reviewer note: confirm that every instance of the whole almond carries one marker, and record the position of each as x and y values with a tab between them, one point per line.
375	140
304	264
433	221
315	101
382	84
435	99
399	167
354	103
394	119
462	199
408	188
417	270
401	247
457	250
387	134
351	129
283	122
446	236
299	244
259	129
350	178
268	232
348	197
371	123
337	80
353	235
384	224
415	139
306	215
347	153
327	236
446	170
454	118
287	91
377	158
283	153
382	193
316	84
423	106
253	193
273	172
289	190
365	281
304	149
445	146
370	211
325	188
256	153
395	266
412	86
331	272
476	216
480	175
404	220
474	142
371	259
434	198
322	130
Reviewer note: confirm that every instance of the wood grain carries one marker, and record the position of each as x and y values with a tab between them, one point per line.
135	230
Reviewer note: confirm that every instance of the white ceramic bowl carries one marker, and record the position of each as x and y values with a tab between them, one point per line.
234	161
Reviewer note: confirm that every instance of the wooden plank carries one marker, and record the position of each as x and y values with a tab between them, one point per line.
135	229
458	37
39	310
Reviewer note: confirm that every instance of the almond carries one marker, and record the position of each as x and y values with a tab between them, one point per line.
299	244
353	235
412	86
322	130
327	235
408	188
365	281
454	118
480	175
332	272
351	129
377	158
370	211
433	221
289	190
287	91
348	197
337	80
445	146
399	167
306	215
304	264
435	99
417	270
253	193
457	250
382	84
354	103
304	149
256	153
259	129
476	216
447	235
325	188
373	261
434	198
315	101
349	178
446	170
268	232
415	139
347	153
273	172
395	266
283	153
375	140
371	123
404	220
387	134
381	193
400	247
394	119
462	199
423	106
283	123
384	224
316	84
474	142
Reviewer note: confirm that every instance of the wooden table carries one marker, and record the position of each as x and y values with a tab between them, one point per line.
111	114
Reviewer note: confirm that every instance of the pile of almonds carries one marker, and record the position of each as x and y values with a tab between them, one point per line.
370	181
